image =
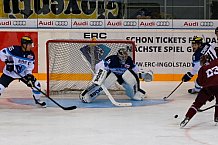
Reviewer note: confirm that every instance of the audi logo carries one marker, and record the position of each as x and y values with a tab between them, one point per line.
162	23
96	23
19	23
61	23
207	24
129	23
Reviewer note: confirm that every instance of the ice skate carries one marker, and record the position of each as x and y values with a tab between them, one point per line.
184	122
40	102
193	91
216	119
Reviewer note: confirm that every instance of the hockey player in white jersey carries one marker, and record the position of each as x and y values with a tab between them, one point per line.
116	68
20	59
199	49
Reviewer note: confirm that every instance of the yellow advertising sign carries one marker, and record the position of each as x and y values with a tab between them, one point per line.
60	9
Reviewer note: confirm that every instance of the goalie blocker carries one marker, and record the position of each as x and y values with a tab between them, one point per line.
107	78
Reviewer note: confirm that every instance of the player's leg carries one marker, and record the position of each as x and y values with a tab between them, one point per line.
31	81
93	91
37	95
132	86
202	98
216	110
196	89
4	82
216	107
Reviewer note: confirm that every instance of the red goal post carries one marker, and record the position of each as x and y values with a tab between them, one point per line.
67	72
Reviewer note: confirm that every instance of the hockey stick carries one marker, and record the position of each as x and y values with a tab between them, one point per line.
202	110
110	97
173	91
64	108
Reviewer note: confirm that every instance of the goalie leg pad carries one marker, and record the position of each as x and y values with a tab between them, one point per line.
110	79
133	92
130	78
139	95
93	91
131	85
99	77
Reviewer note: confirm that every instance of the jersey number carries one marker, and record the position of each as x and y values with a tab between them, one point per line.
212	71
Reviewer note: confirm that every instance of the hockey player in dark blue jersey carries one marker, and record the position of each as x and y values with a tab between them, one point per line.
20	59
119	68
199	49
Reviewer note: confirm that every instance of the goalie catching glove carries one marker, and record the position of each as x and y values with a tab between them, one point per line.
9	65
29	80
146	76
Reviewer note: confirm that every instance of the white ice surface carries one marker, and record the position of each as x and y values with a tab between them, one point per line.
148	125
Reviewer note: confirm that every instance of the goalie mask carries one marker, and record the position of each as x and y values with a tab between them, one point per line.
122	55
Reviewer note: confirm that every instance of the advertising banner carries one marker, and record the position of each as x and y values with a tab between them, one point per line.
60	9
165	52
68	23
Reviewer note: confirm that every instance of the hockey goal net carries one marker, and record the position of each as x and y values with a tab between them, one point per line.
67	72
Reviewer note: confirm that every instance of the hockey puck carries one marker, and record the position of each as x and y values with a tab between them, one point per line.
176	116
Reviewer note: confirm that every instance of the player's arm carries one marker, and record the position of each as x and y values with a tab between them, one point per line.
7	58
196	66
211	51
4	54
101	65
29	78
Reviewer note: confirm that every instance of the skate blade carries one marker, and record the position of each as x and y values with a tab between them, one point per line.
40	106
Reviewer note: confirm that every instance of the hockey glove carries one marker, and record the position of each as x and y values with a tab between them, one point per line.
9	65
29	80
187	77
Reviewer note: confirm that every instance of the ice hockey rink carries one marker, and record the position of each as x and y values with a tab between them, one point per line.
151	124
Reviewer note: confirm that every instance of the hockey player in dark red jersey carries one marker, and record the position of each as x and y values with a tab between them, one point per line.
207	78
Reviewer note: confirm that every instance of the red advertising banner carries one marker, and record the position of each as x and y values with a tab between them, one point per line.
14	38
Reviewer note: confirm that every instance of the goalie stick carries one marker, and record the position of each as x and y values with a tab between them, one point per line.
110	97
202	110
173	91
64	108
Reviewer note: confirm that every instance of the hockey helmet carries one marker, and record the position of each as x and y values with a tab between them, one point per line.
26	40
197	40
122	54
